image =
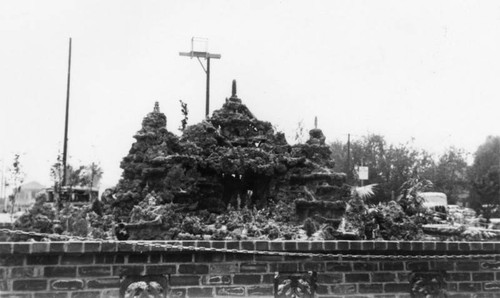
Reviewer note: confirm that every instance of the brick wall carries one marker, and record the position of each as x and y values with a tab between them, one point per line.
366	269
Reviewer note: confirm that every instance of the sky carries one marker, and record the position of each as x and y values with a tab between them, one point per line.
427	71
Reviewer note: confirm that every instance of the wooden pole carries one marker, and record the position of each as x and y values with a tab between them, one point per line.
65	149
207	104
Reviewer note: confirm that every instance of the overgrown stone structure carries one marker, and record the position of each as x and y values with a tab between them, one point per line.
231	159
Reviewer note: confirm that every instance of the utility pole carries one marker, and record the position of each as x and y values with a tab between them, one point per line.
203	54
348	170
65	149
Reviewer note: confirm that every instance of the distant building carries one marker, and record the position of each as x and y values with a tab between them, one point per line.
26	196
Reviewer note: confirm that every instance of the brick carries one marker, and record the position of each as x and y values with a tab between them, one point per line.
343	245
193	269
235	257
329	278
248	245
365	266
245	279
4	287
464	246
442	265
60	271
304	246
313	266
74	247
111	293
405	246
160	269
418	266
469	287
125	246
392	245
487	247
483	276
260	291
185	280
223	268
230	291
218	244
262	245
178	293
383	277
490	265
137	258
492	286
452	247
268	278
486	295
417	246
94	271
6	248
91	246
330	246
476	246
154	258
103	283
233	245
57	247
66	284
290	246
200	292
338	266
23	272
21	248
321	289
396	288
344	289
276	246
77	259
468	266
42	260
317	246
51	295
216	280
86	294
29	285
11	260
16	295
380	245
357	277
284	267
40	247
429	246
268	258
128	270
177	257
204	243
253	267
209	257
441	247
392	266
109	246
370	288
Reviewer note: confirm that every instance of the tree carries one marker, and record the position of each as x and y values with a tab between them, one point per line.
390	166
484	175
91	176
15	179
450	174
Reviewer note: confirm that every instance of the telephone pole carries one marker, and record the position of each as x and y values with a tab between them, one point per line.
65	148
203	54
